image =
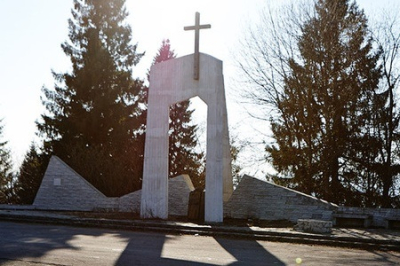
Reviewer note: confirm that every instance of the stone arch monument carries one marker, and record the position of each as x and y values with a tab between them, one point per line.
171	82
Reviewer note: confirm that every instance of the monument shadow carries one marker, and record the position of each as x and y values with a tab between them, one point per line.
36	243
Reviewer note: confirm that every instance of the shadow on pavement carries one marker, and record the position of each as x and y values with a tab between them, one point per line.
148	251
20	240
248	252
153	251
383	258
25	243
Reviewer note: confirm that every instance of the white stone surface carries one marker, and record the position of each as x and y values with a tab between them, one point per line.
172	82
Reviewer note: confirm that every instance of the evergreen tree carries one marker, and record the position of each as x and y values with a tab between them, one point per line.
6	176
94	121
30	175
324	107
183	158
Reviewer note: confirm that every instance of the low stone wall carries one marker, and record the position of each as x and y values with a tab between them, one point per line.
64	189
258	199
380	217
313	226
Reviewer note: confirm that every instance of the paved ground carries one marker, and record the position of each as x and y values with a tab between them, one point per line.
29	244
376	239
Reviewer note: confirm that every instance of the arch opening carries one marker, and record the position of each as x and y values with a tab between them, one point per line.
187	140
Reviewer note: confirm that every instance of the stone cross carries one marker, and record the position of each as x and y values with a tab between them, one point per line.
197	27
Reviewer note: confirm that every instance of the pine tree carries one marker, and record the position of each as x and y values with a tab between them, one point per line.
323	107
30	175
183	158
94	121
6	177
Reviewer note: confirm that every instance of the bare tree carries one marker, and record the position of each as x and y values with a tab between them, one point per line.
263	59
266	50
386	32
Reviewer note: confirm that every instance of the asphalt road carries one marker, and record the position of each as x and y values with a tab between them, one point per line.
35	244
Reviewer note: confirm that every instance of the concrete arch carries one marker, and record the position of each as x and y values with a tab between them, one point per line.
172	82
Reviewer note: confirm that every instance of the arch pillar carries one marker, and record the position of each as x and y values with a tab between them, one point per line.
171	82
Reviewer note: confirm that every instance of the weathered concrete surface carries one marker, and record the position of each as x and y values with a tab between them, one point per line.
172	82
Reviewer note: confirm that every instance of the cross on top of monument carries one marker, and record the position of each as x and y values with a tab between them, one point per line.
197	27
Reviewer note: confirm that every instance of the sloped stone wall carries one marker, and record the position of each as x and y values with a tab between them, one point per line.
258	199
64	189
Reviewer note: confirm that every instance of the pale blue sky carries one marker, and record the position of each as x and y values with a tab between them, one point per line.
32	30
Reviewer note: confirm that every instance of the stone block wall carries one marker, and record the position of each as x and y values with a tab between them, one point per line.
64	189
258	199
313	226
179	189
130	202
380	216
